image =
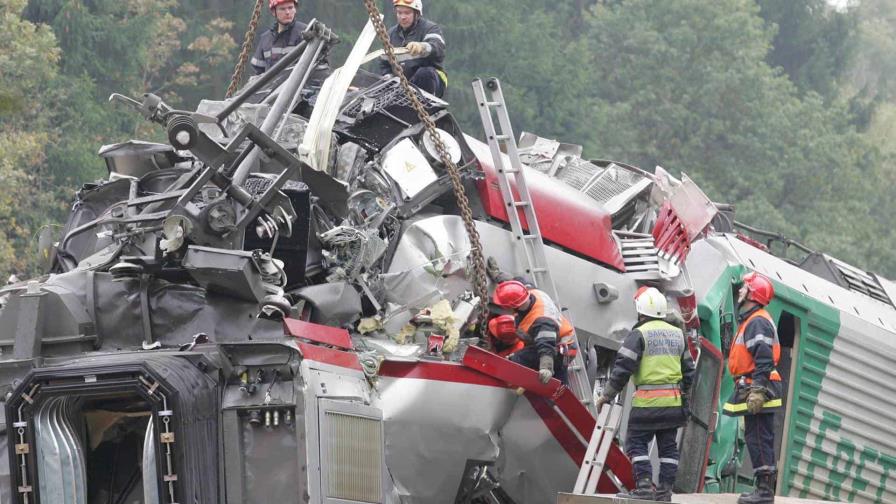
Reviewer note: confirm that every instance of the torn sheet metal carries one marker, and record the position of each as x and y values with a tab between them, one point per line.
315	148
430	263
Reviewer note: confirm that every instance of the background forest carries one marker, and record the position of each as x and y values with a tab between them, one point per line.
786	108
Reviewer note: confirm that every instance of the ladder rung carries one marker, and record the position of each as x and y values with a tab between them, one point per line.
519	204
492	104
502	138
531	237
509	170
539	270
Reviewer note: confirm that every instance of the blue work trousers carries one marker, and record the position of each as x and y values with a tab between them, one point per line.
528	357
637	446
759	431
427	79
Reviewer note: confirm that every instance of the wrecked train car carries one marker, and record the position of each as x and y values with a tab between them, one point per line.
278	305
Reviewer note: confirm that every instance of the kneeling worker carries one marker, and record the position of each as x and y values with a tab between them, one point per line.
656	357
423	39
549	338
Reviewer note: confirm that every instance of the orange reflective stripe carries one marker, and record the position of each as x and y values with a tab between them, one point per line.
653	394
541	309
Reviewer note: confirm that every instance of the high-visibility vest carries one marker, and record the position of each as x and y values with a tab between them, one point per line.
544	307
740	360
659	372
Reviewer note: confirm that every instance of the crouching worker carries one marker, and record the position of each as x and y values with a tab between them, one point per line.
548	337
505	339
656	357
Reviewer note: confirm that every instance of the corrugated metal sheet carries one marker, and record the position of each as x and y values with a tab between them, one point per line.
850	442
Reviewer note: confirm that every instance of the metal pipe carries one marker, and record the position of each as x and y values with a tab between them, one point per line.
288	89
266	77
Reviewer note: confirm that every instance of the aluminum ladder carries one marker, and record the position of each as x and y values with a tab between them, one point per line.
596	455
529	244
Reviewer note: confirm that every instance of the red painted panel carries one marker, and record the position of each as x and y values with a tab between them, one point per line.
554	422
317	333
330	356
510	372
439	371
565	216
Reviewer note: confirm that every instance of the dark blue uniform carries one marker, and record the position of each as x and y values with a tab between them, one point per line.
425	71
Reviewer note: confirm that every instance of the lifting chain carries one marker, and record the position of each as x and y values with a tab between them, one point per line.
480	280
244	54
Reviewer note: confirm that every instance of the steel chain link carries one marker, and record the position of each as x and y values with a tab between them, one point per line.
244	54
480	280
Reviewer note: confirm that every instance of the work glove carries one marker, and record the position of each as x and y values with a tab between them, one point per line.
417	48
756	400
601	401
492	269
545	368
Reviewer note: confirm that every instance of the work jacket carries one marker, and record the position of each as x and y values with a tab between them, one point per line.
423	30
275	44
655	356
754	355
543	325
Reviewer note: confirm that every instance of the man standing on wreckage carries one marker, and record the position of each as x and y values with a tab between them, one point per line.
281	38
656	357
425	45
754	355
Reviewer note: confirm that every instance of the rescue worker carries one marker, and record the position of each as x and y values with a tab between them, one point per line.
505	338
423	39
656	357
758	388
548	336
282	38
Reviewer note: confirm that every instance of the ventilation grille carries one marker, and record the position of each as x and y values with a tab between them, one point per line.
639	253
354	447
860	281
390	95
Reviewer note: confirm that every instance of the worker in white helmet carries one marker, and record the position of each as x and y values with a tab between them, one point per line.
655	356
423	63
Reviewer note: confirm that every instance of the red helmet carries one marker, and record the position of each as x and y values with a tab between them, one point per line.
759	288
510	294
503	327
272	4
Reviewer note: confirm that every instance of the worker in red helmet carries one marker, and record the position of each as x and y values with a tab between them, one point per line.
754	355
548	336
284	35
423	63
505	337
656	358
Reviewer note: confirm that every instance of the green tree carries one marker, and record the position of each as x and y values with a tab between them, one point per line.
686	85
814	43
28	62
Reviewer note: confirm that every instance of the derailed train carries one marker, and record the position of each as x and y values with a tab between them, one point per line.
277	307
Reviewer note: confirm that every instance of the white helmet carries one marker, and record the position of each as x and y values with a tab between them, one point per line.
417	5
650	302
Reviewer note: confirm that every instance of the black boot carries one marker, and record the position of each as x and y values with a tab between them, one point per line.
643	490
663	492
763	491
